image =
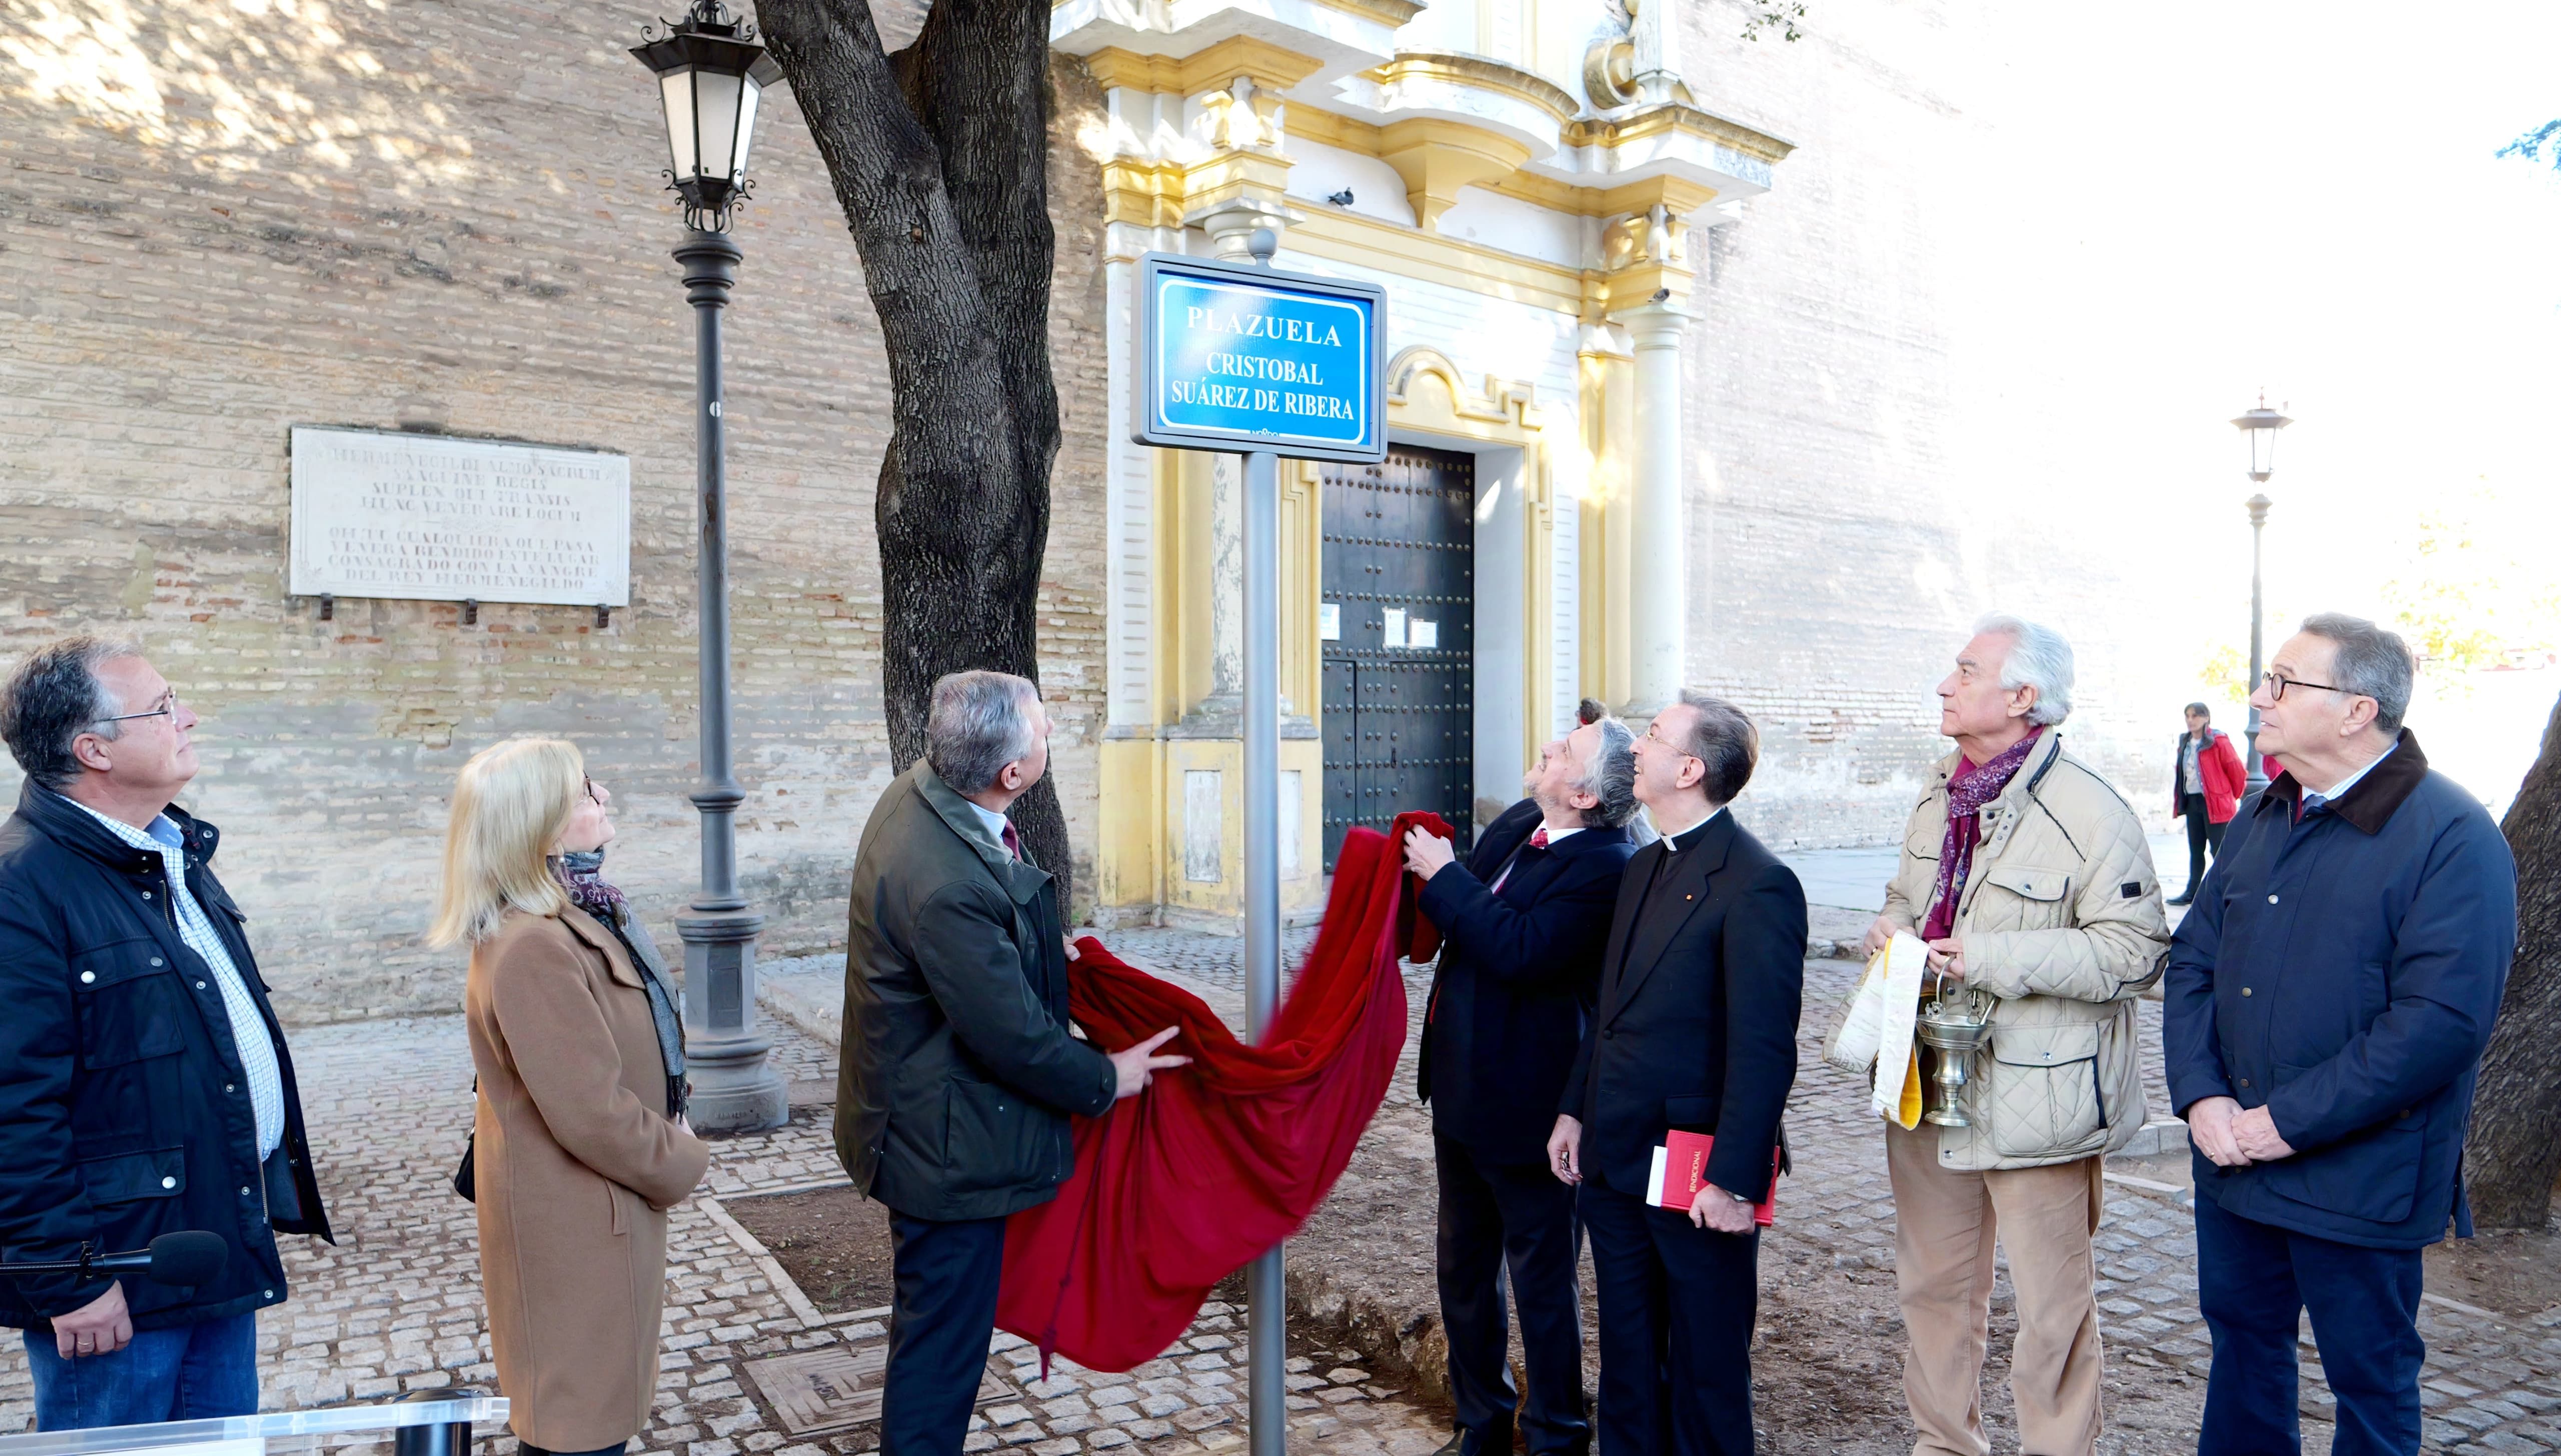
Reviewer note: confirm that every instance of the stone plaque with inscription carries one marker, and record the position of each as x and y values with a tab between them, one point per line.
441	519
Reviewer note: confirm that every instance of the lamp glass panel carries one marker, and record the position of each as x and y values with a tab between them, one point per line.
2262	449
746	104
716	102
676	90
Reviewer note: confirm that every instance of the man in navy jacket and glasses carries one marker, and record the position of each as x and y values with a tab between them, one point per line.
2326	1008
1522	926
145	1088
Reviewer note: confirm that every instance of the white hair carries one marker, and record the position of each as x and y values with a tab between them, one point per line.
978	723
2038	658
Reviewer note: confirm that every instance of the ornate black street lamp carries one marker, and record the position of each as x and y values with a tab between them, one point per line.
2260	426
711	74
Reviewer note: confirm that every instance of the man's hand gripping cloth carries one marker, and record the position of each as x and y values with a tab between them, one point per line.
1180	1186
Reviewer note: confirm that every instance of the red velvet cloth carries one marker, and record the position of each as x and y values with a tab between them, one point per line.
1180	1186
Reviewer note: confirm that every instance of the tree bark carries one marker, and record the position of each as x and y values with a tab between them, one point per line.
2513	1153
939	155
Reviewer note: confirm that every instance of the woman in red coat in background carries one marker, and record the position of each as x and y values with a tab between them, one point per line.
2205	786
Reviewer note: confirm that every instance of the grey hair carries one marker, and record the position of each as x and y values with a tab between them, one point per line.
53	698
2372	663
1725	741
1610	776
980	722
2038	658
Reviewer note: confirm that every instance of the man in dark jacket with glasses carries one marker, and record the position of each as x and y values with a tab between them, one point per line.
2322	1021
144	1083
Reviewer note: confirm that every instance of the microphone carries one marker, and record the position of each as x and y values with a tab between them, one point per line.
188	1257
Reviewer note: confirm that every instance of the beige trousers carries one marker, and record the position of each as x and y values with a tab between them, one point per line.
1946	1221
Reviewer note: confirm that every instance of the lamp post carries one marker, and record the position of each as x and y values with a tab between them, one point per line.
711	74
2260	426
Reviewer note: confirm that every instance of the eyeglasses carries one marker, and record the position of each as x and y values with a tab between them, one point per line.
168	709
1655	738
586	786
2277	682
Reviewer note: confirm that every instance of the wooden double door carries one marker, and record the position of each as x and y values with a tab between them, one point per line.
1398	634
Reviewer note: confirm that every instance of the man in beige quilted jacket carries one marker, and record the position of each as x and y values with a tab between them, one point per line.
2030	878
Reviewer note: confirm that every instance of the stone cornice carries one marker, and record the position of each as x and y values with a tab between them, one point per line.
1394	14
1651	121
1455	69
1272	67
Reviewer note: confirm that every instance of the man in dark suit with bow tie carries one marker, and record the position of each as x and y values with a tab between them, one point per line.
1522	924
1700	988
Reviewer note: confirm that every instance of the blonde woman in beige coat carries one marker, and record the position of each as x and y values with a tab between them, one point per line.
576	1160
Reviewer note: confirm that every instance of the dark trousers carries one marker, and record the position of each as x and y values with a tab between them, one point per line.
1677	1304
2254	1283
1496	1215
941	1320
2201	834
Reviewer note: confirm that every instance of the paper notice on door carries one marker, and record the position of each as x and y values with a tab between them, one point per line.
1420	633
1393	633
1329	623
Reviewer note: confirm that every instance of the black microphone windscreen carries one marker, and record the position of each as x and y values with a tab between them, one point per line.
190	1258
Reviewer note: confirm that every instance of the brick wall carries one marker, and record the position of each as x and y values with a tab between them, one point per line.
218	221
1846	523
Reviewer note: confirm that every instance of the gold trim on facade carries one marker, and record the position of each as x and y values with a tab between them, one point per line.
1213	155
1267	64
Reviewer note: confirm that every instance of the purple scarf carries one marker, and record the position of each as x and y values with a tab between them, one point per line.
1970	788
582	874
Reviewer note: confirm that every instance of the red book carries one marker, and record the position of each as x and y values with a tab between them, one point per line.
1680	1171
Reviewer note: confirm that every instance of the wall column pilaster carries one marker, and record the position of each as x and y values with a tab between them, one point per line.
1657	601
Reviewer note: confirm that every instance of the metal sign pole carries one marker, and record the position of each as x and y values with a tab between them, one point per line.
1266	1322
1238	358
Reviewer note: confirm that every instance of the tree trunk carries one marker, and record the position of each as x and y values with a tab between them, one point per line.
939	155
2515	1151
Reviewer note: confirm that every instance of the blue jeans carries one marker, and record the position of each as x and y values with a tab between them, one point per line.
2255	1283
184	1373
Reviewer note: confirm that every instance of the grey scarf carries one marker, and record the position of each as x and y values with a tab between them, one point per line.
580	874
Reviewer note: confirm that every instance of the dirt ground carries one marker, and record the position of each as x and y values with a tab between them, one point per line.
834	1244
1828	1356
2508	1272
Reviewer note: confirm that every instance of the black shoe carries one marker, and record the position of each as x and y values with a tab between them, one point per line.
2184	899
1458	1445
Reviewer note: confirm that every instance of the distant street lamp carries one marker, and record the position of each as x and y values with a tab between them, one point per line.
711	74
2260	426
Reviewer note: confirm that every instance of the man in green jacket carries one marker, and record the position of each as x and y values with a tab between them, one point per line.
958	1069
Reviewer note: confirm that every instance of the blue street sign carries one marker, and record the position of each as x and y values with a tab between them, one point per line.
1245	359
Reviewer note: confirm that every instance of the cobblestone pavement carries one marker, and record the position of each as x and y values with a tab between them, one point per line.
396	1305
2492	1383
